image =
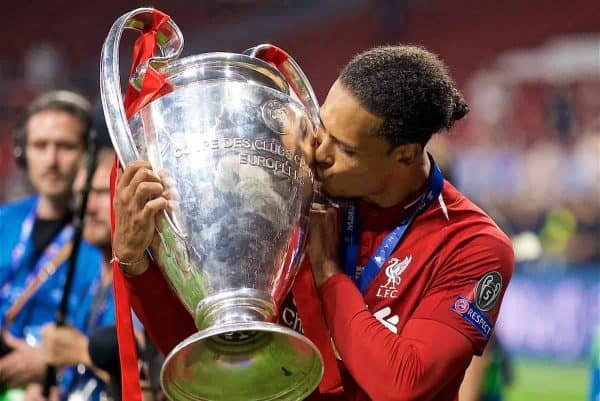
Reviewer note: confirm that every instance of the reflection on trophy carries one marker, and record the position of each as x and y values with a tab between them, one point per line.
228	141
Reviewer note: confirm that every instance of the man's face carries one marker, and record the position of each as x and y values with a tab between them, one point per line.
54	149
351	161
97	218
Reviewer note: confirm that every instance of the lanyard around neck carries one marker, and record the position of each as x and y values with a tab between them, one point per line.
351	234
19	250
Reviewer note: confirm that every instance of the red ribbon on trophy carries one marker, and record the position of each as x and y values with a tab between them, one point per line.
153	86
304	289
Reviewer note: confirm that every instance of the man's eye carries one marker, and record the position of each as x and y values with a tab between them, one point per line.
68	146
38	145
347	151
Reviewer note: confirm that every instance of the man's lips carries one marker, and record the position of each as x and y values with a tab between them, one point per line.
319	174
52	176
95	222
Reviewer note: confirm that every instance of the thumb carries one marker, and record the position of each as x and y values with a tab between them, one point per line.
69	330
48	331
12	341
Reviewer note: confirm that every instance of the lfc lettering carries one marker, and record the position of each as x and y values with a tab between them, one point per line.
393	271
387	292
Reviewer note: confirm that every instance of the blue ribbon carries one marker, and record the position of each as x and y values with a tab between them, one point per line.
99	304
351	234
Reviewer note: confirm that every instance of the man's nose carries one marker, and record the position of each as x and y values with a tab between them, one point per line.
92	201
51	154
324	150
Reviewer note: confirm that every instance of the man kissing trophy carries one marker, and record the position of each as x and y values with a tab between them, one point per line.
227	134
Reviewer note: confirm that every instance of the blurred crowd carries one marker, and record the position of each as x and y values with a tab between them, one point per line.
530	157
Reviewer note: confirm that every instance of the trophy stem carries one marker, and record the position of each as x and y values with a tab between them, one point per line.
231	307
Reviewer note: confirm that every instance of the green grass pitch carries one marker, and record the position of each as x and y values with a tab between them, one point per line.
548	381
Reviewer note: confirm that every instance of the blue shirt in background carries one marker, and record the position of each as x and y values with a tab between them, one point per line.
41	308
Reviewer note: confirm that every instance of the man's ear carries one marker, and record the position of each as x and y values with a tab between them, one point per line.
407	154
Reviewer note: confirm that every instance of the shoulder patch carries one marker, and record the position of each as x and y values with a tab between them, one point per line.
488	290
475	317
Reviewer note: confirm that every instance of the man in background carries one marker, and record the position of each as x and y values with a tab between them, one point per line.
68	346
91	360
36	235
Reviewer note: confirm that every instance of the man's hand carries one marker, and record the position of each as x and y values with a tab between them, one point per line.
33	392
23	365
65	346
139	198
323	243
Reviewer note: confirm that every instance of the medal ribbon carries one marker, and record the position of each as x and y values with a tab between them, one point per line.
351	234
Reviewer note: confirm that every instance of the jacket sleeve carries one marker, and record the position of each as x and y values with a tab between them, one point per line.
411	365
436	344
163	315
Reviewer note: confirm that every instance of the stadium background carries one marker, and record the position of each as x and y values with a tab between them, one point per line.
529	152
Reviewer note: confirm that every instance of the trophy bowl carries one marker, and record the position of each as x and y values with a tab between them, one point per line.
231	142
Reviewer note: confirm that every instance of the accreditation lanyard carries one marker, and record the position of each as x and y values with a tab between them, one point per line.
351	234
100	304
19	250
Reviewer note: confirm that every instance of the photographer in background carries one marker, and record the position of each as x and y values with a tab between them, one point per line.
36	234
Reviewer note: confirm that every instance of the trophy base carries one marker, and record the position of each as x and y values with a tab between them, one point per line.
250	361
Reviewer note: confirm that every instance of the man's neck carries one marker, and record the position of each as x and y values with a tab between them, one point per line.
404	188
52	208
107	271
106	254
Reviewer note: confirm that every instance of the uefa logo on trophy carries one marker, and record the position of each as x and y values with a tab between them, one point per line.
227	134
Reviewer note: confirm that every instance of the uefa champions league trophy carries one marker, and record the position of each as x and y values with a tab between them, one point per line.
227	139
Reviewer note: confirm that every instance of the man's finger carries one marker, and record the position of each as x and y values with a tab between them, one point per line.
4	361
9	371
166	178
48	329
332	214
141	176
318	208
154	206
146	191
13	341
131	170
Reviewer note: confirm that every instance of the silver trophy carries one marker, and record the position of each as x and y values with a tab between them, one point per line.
231	142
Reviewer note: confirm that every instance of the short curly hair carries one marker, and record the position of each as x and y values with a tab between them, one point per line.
409	88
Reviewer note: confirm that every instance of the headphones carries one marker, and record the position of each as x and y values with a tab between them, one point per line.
62	100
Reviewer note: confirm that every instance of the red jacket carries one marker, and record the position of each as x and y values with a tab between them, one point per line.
411	336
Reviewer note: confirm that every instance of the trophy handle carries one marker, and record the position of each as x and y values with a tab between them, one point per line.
169	41
293	74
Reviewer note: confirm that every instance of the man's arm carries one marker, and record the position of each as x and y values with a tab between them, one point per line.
163	315
472	385
412	365
139	198
437	343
